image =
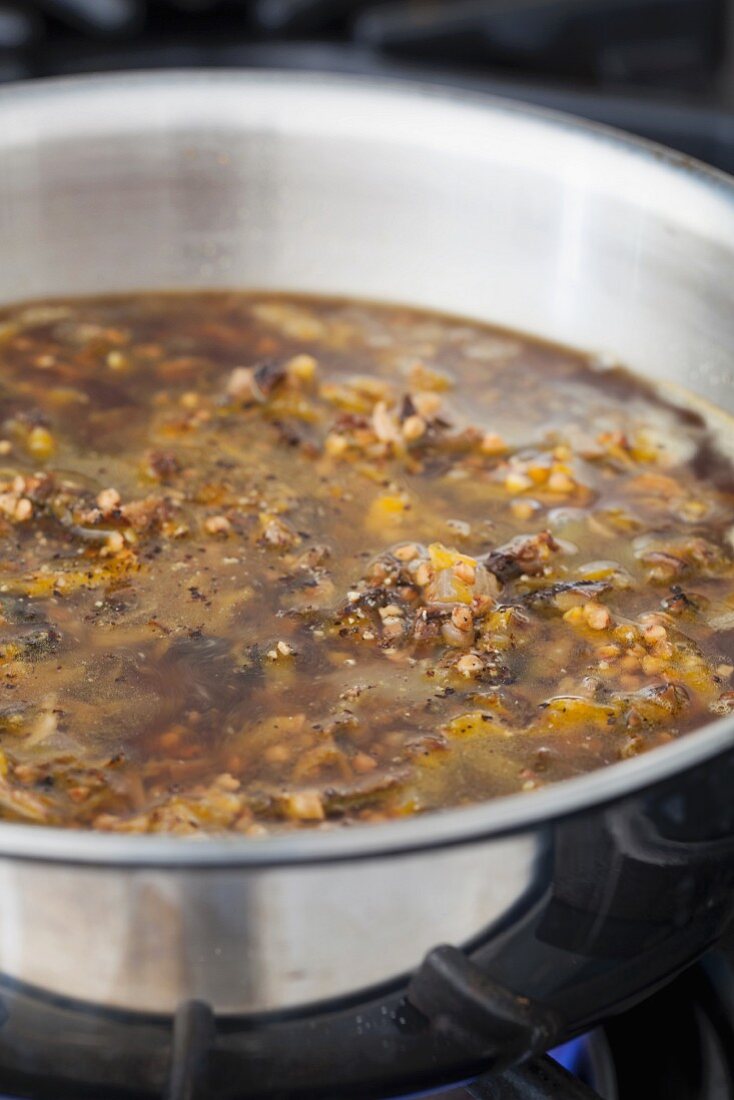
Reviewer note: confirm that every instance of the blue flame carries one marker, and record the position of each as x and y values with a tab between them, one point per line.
571	1054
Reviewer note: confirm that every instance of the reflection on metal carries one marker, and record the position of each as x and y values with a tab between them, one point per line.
584	896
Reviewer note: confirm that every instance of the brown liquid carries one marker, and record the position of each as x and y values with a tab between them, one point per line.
243	599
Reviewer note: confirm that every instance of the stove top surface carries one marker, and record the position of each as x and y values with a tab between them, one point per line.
676	1045
659	68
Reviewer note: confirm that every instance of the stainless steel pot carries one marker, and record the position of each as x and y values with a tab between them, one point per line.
583	894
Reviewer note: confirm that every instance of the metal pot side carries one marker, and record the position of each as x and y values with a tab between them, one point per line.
584	895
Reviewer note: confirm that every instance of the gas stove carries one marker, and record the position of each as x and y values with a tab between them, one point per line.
676	1045
659	68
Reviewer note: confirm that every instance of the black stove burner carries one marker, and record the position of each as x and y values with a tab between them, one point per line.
676	1045
679	1044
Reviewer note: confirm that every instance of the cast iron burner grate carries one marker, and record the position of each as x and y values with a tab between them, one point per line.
676	1045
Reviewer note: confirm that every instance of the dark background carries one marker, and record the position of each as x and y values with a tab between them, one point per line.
664	68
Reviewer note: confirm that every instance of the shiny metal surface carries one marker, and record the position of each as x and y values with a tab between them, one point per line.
455	202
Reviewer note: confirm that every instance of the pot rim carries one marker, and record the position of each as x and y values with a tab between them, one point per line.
495	817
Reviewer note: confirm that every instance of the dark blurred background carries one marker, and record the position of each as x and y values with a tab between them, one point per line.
662	68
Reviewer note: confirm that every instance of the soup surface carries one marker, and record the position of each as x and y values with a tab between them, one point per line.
275	561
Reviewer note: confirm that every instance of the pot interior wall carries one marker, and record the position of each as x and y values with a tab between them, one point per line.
326	185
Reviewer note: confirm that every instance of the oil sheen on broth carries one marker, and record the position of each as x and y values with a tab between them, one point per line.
274	562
